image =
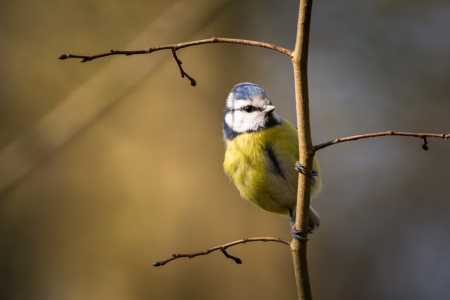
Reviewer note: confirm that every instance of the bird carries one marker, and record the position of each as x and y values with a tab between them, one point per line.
262	154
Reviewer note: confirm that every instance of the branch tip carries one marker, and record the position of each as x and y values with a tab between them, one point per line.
64	56
424	144
236	259
182	72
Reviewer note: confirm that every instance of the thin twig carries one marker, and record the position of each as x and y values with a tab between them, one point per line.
223	249
179	46
175	47
363	136
182	72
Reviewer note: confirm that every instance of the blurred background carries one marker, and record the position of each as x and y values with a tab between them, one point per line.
111	165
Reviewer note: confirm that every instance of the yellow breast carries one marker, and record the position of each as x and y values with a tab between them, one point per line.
261	165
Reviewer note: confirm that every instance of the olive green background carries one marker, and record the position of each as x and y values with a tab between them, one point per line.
111	165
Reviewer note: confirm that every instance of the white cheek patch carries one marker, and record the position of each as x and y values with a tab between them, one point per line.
240	121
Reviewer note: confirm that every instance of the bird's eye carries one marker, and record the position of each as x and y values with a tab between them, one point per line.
248	108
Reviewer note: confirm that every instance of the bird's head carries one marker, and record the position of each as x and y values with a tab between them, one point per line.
248	109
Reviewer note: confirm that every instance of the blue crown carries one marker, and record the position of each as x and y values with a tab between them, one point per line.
248	90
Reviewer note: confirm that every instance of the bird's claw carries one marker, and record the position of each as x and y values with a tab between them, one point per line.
300	168
297	234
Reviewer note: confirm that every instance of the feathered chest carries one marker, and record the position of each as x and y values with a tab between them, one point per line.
261	163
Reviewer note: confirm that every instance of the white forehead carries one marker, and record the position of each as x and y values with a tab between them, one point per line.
234	103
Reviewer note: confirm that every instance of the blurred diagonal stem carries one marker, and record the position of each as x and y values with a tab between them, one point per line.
306	150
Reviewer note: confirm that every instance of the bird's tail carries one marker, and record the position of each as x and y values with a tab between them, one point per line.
314	219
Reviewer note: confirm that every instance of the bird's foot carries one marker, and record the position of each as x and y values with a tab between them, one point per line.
300	168
297	234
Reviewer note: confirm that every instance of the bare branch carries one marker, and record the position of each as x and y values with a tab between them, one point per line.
183	73
223	249
179	46
175	47
370	135
306	153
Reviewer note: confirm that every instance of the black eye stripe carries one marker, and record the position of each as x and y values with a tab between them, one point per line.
243	109
250	108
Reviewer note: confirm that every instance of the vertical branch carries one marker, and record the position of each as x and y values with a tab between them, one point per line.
300	64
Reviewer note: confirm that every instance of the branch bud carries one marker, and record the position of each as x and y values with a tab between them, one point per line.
424	144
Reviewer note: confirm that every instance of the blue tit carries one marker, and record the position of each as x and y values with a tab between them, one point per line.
261	152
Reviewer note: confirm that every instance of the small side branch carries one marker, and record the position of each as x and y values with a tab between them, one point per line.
175	47
223	249
370	135
182	72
